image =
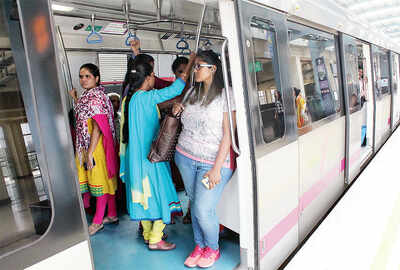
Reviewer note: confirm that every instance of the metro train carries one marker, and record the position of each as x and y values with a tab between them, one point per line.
316	96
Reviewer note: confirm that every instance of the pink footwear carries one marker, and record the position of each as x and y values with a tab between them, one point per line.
208	258
191	261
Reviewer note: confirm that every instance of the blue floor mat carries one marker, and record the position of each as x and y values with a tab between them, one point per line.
119	247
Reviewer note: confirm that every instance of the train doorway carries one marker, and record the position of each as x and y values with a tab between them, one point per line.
121	246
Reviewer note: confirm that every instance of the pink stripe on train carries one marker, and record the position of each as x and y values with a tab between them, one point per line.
286	224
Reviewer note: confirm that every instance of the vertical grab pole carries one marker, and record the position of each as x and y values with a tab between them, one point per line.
228	98
65	66
198	36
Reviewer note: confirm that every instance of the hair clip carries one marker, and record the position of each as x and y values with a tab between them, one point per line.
133	71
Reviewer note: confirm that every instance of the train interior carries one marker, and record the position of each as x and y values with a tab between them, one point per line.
94	32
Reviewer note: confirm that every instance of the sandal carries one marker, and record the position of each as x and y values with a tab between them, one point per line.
94	228
162	245
164	237
110	220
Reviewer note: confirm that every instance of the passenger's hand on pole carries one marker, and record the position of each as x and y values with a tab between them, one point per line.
214	177
186	72
135	46
73	94
192	57
177	108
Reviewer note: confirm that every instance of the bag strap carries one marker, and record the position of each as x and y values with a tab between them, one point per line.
188	93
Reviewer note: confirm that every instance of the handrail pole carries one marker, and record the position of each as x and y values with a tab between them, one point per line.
228	98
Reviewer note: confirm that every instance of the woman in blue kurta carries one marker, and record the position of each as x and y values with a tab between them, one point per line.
151	195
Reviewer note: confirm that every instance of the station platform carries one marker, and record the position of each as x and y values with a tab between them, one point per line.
362	231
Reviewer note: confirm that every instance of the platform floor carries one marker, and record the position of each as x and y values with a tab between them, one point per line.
363	230
120	247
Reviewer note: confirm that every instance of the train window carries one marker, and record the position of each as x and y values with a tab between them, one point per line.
356	79
395	74
25	210
314	77
380	60
112	67
265	69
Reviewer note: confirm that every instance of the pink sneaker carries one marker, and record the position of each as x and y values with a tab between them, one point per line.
191	261
208	258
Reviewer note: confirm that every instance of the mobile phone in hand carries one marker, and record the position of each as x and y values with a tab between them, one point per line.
205	182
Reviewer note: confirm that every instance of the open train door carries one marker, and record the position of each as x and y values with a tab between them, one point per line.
271	122
62	235
360	104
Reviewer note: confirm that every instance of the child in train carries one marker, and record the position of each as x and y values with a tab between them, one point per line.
151	195
116	102
96	159
203	155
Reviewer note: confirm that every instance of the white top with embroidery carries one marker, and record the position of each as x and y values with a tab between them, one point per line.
202	130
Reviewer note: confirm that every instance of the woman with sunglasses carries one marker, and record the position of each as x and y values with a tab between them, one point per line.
203	155
95	147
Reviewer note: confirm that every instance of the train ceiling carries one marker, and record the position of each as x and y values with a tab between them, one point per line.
73	12
384	15
179	9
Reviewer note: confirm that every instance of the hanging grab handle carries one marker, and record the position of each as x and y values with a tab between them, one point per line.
94	37
130	36
182	44
227	94
207	43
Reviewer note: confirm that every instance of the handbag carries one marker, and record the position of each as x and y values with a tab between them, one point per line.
163	147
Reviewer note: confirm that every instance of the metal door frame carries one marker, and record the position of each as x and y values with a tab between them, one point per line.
391	55
245	11
346	108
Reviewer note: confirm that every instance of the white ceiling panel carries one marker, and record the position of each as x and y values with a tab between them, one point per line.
383	15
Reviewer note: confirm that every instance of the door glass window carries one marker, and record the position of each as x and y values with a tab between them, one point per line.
314	73
266	72
25	210
380	60
356	79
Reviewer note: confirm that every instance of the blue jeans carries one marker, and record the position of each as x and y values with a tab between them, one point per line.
203	202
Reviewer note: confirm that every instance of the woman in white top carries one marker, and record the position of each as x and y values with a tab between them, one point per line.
203	151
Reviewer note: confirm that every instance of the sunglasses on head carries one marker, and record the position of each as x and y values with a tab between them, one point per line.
198	66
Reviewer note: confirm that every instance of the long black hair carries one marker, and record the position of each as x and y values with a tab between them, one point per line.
200	95
93	69
132	62
296	91
136	78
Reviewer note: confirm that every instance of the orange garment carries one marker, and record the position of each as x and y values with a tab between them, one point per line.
300	107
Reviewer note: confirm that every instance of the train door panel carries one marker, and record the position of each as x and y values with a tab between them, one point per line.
355	58
37	72
394	68
320	121
382	95
264	39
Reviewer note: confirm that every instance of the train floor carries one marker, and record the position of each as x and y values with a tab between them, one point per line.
121	247
363	230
